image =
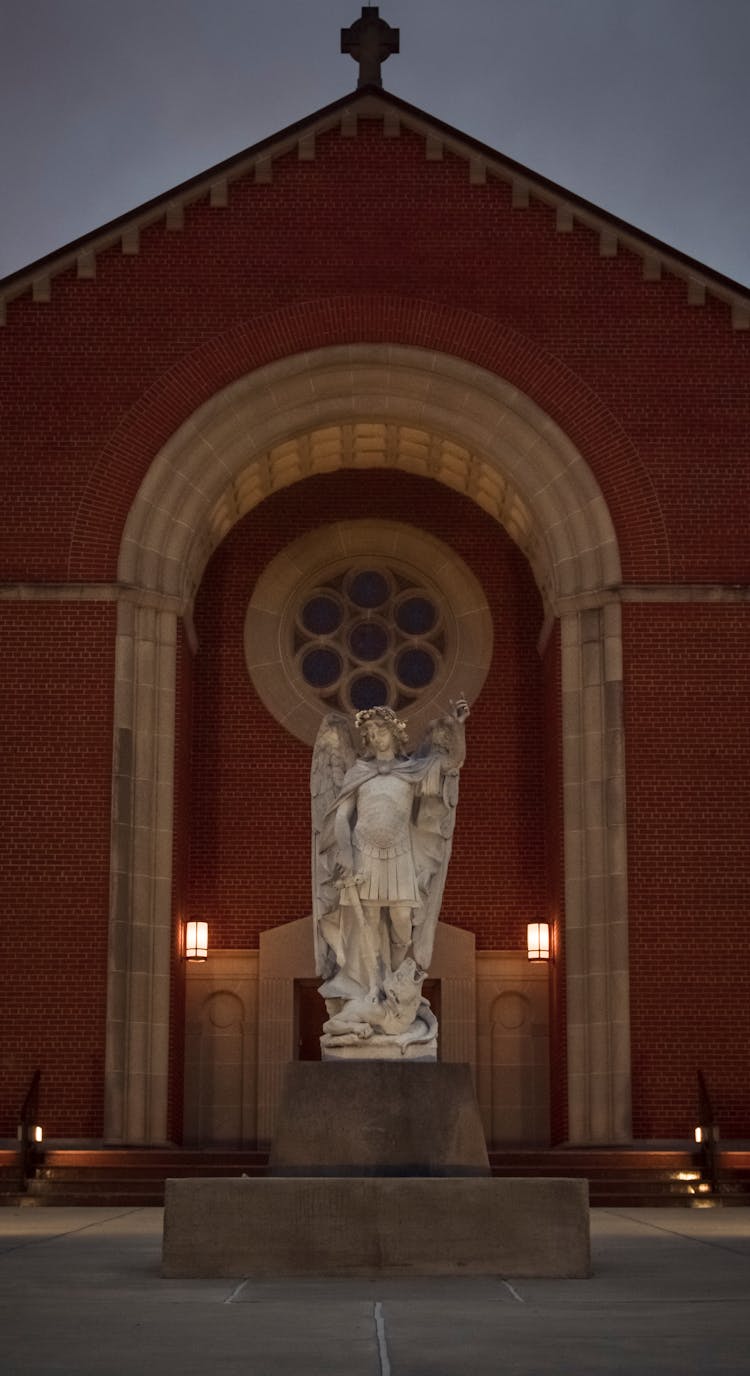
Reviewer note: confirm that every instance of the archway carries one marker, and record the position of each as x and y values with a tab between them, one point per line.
422	411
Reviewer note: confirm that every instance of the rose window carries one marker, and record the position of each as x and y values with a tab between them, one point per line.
368	636
361	614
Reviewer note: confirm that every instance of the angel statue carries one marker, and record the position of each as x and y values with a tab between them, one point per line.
382	823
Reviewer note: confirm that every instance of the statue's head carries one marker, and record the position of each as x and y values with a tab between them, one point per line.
409	973
374	721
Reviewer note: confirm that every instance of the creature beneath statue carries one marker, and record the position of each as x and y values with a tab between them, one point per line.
382	834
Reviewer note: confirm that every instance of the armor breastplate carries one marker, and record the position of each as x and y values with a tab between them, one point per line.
383	812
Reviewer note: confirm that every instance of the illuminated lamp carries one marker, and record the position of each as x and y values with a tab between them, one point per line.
537	940
35	1132
196	940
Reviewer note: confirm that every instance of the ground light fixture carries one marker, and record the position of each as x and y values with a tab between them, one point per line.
35	1132
196	940
537	941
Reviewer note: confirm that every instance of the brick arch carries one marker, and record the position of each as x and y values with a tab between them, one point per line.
475	339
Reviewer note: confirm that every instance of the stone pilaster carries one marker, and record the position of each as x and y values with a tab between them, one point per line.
141	876
596	926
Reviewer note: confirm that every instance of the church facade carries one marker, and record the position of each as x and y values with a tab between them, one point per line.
370	413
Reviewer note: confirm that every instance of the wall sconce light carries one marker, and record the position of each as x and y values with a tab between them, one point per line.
537	940
196	940
35	1132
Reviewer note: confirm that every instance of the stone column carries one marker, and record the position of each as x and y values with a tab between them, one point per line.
596	919
141	876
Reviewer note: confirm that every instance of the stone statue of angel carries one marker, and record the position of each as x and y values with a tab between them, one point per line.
382	823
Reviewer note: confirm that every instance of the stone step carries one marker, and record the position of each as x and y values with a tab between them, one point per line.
646	1201
147	1156
739	1180
633	1177
579	1160
169	1170
134	1177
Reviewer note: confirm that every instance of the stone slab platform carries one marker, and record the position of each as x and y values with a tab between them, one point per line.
378	1226
364	1118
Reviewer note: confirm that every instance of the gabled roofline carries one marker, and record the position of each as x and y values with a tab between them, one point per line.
183	189
373	102
537	182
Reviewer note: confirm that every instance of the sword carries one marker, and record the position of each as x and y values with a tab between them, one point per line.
373	959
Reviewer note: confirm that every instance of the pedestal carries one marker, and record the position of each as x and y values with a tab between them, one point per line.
376	1227
367	1118
356	1141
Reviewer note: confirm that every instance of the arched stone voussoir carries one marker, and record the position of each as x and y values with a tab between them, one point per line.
483	423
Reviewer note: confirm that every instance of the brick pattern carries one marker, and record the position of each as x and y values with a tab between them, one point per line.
250	830
639	383
688	739
371	242
55	784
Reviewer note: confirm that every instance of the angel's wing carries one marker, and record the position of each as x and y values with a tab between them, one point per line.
334	753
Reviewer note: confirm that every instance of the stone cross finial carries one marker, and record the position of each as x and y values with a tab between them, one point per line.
370	40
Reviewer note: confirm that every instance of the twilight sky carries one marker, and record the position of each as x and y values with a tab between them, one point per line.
641	106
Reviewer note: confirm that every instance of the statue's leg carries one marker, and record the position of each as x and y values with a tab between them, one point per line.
372	913
400	914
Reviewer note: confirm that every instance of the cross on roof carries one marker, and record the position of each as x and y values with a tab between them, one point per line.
370	40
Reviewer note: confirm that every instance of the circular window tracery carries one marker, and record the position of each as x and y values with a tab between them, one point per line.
369	588
321	667
368	640
365	614
363	617
322	614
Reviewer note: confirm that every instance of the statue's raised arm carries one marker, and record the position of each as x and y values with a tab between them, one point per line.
444	746
382	834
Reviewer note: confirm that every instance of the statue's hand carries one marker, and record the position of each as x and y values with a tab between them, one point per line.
460	708
345	877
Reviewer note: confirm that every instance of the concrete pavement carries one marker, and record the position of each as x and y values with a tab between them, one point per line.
81	1295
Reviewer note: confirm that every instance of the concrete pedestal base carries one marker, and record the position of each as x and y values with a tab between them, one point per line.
376	1227
368	1118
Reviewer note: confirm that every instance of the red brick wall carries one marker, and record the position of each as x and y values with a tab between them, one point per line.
688	744
250	834
57	662
371	241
